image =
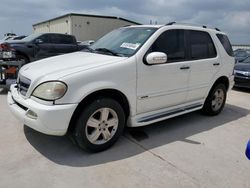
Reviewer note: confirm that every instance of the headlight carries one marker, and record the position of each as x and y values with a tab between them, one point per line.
50	90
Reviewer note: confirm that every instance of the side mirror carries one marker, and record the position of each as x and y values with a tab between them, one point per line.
38	41
156	58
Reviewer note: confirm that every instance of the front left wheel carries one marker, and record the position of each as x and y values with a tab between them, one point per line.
99	125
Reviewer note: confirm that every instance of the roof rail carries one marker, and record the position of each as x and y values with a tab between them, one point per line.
171	23
203	26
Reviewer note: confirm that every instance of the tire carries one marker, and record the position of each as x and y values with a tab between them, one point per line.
215	100
99	125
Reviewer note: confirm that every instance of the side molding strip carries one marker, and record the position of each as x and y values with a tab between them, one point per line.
168	113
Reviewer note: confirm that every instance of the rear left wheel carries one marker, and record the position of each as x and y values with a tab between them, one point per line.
215	101
99	125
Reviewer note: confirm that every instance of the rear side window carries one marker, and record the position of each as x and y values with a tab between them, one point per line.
226	44
67	39
201	45
171	42
62	39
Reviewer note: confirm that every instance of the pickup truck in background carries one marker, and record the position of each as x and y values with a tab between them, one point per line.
38	46
15	53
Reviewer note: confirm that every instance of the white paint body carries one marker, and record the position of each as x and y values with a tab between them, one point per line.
165	86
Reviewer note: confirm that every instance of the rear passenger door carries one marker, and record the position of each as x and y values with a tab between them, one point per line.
204	63
63	44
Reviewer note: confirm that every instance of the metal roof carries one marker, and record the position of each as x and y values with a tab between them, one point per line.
86	15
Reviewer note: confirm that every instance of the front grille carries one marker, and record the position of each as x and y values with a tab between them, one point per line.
23	84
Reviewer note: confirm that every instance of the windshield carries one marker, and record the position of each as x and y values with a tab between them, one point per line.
123	41
247	60
31	37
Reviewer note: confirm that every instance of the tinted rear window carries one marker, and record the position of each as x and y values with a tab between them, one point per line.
62	39
201	45
225	43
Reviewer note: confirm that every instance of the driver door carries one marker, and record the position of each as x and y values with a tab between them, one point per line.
164	85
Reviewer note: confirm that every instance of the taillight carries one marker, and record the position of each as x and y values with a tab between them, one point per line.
5	47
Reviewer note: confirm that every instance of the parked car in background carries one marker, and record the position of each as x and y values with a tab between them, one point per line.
242	73
7	36
133	76
86	43
19	37
15	53
38	46
240	54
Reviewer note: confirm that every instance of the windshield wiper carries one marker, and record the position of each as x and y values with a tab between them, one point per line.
105	50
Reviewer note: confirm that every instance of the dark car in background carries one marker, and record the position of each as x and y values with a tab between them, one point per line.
15	53
38	46
19	37
242	73
241	54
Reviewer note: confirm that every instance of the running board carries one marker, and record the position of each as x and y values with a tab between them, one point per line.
168	113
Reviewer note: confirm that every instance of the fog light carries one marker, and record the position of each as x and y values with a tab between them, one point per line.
31	114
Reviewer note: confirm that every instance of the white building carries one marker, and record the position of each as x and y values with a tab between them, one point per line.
82	26
241	46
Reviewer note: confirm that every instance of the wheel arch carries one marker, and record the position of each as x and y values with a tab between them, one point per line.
109	93
223	80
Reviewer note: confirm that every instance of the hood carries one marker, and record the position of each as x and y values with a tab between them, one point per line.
63	65
242	67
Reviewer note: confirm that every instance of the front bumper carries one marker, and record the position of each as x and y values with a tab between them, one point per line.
51	119
241	81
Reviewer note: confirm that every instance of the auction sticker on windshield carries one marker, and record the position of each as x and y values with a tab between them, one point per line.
130	45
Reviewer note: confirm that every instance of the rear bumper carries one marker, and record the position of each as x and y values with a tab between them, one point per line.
51	119
231	82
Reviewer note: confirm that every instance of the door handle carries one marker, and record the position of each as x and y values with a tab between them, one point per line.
216	64
185	67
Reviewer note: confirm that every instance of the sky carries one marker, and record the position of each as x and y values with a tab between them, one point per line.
230	16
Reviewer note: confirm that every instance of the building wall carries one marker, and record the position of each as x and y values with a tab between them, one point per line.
41	28
82	27
62	25
92	28
245	47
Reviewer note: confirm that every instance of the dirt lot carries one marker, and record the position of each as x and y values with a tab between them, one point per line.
187	151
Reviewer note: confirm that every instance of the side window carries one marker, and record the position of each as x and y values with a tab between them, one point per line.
225	43
201	45
67	39
55	39
45	38
172	43
62	39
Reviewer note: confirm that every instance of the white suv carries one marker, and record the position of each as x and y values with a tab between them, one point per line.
133	76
